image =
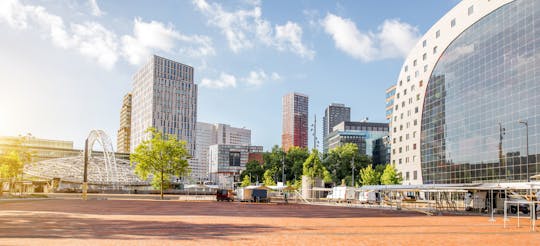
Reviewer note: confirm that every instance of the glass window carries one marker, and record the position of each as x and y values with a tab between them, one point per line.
453	22
435	50
460	127
424	57
471	10
438	34
424	43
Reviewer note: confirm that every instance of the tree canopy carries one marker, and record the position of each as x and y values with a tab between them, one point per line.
162	157
339	162
13	160
390	175
314	168
369	176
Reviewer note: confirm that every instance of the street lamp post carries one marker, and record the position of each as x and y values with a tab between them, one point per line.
352	167
527	150
283	168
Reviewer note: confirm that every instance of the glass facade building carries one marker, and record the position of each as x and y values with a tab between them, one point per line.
484	83
462	92
333	114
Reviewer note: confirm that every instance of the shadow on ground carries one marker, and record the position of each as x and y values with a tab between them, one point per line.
15	224
178	208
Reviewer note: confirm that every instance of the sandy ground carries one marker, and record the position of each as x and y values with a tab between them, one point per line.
147	222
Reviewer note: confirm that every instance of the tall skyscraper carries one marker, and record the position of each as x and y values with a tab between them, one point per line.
164	97
295	121
211	134
333	115
124	132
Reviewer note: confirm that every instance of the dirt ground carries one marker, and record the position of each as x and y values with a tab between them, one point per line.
144	222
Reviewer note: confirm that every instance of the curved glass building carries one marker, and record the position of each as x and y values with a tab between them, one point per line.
468	97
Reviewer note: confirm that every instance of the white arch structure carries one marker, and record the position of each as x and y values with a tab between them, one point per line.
111	167
405	126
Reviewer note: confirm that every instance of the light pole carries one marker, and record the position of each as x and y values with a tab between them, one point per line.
527	150
352	167
283	168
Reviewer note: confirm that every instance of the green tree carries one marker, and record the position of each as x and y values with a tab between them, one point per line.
254	171
390	175
369	176
245	181
268	177
314	168
13	160
11	167
339	162
294	162
162	157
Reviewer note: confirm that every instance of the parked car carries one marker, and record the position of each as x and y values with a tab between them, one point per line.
513	208
224	195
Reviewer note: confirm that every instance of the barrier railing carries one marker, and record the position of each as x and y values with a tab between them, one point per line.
531	215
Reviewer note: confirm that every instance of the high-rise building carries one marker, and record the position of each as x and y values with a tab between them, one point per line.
468	94
333	115
211	134
124	132
164	97
295	121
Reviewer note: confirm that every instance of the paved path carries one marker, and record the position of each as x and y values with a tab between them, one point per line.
141	222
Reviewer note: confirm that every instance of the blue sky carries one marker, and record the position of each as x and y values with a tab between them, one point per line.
65	65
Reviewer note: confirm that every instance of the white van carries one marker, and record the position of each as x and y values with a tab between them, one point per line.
367	197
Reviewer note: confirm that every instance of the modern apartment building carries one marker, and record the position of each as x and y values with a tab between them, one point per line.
211	134
361	133
473	73
227	161
124	132
333	114
164	96
295	121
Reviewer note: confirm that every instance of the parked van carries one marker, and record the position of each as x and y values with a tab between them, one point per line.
342	193
367	197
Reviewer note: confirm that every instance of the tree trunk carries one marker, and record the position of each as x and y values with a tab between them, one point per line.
161	184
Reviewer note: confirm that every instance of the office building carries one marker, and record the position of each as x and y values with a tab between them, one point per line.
227	161
295	121
361	133
124	132
41	149
390	95
467	96
211	134
333	114
164	97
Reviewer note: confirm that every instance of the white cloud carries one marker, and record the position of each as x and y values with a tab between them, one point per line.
96	11
394	38
275	76
289	37
224	81
155	36
90	38
93	40
397	38
243	28
259	77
